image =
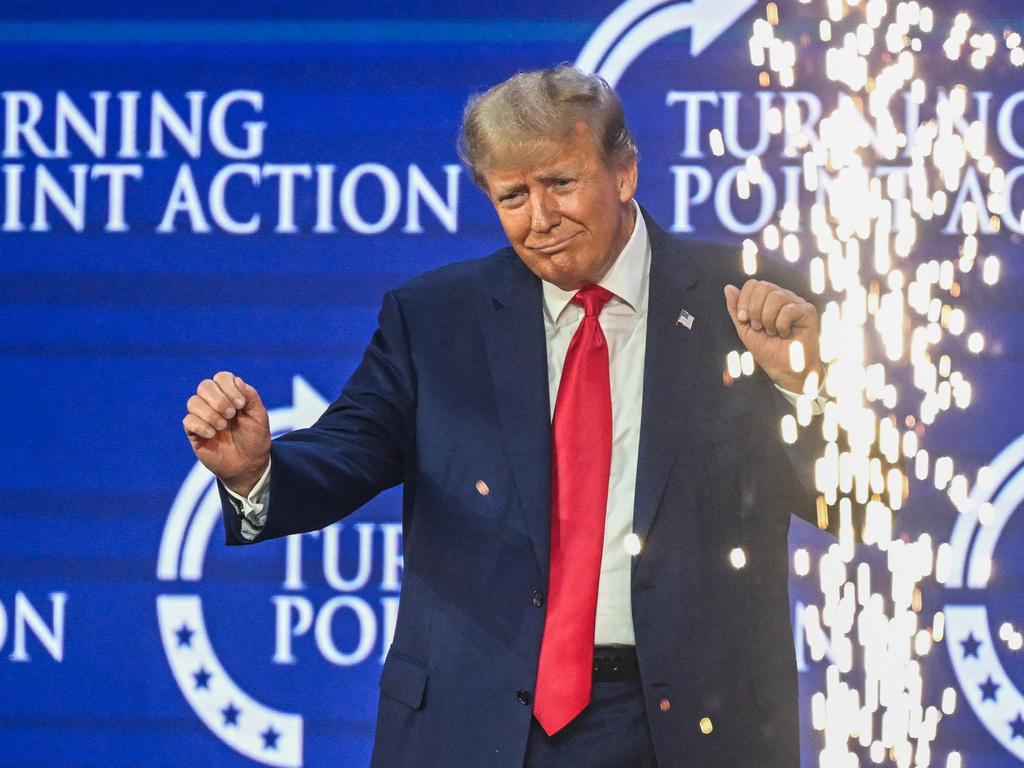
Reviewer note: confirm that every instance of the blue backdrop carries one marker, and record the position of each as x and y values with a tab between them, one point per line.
211	187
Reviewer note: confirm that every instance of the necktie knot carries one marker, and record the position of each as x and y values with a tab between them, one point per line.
592	298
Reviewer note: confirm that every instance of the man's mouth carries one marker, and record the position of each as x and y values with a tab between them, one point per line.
554	247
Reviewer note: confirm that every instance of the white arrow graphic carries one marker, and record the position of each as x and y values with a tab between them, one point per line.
307	406
637	24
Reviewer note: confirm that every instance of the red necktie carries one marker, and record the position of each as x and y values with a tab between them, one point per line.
581	460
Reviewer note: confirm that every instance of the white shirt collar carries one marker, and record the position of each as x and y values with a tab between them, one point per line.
625	279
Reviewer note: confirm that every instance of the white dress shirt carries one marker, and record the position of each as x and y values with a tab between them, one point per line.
624	323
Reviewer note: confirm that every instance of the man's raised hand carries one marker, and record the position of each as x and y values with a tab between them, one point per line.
768	319
229	430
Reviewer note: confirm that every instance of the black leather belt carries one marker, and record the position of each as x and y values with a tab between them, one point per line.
615	663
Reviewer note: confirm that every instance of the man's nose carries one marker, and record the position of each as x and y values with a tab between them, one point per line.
543	213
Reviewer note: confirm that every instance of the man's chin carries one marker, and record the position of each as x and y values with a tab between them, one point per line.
568	282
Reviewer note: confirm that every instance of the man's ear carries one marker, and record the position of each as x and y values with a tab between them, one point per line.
626	176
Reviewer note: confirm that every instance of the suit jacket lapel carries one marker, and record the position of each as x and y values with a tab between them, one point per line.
670	366
513	324
512	319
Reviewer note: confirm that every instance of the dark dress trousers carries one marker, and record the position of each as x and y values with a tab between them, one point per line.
453	389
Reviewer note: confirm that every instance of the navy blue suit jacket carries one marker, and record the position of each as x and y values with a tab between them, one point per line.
453	389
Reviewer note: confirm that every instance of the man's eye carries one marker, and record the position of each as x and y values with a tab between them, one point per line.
563	183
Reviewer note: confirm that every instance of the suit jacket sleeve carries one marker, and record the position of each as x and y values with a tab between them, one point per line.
356	449
796	482
811	443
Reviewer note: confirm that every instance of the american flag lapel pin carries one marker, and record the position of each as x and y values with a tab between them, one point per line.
685	319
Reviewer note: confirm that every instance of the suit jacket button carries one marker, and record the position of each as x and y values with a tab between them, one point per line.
538	598
523	697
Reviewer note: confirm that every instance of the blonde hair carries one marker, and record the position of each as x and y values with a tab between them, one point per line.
528	112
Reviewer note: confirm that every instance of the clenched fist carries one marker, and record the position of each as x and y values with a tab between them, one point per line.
768	319
229	430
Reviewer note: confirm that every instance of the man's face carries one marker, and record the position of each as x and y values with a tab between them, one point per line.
567	214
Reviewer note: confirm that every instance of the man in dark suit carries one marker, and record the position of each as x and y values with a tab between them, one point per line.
595	516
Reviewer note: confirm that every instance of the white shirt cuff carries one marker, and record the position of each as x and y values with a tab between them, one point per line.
253	508
796	399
